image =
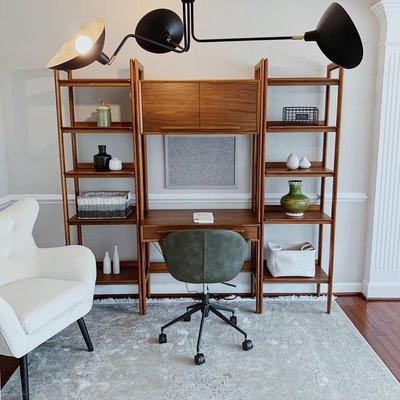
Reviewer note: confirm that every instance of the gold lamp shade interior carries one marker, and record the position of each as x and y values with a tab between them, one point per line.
82	48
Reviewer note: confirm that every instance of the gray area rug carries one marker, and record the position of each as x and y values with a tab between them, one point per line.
299	353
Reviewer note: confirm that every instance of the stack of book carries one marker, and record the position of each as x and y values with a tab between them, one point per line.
203	218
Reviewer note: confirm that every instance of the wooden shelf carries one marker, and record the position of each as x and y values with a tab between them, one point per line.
130	220
279	169
278	216
281	127
86	170
311	81
320	277
108	83
91	127
128	276
161	268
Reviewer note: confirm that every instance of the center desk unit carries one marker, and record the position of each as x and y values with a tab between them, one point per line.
205	107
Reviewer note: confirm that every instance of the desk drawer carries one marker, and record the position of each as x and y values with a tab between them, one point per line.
155	233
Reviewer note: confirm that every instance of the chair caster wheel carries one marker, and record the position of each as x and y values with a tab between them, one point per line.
199	359
188	319
233	319
247	345
162	338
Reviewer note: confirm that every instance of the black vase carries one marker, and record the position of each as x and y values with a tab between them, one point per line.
102	159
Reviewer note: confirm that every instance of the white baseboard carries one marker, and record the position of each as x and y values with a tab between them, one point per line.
165	284
381	290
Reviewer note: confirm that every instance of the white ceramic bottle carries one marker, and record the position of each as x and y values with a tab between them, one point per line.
116	263
304	163
106	264
292	161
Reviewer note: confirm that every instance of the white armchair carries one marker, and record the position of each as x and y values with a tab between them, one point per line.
42	291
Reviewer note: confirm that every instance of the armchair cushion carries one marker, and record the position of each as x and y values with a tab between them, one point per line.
38	301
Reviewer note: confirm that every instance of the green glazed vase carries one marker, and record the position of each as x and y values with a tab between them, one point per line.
295	202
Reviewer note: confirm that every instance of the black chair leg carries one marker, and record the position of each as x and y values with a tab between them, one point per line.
223	308
222	316
85	334
23	370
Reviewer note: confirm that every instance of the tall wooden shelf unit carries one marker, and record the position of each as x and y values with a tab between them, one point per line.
204	107
317	213
212	107
129	269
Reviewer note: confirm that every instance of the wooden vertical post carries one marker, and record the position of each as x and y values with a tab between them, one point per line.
61	151
335	186
323	179
261	74
136	73
72	120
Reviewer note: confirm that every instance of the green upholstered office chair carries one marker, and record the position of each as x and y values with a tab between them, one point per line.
205	256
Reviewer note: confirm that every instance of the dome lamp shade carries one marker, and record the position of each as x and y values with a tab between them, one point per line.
161	26
337	37
83	48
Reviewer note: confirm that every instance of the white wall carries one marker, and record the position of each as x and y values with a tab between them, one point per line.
29	112
3	156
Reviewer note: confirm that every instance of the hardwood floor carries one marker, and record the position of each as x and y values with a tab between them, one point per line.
377	321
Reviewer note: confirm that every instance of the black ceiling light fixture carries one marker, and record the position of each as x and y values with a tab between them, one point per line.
162	31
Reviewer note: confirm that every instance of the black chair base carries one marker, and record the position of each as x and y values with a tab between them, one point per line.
23	361
205	308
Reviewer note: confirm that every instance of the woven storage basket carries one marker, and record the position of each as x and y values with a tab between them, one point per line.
297	259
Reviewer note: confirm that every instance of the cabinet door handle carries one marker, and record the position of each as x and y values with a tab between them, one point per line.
233	127
179	128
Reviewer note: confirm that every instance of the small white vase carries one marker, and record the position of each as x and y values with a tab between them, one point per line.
292	161
107	264
116	263
115	164
304	163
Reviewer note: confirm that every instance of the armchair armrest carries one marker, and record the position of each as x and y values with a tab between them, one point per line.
13	339
76	263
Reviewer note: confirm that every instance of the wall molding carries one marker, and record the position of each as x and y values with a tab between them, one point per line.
190	199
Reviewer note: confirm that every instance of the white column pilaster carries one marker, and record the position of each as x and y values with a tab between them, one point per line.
382	268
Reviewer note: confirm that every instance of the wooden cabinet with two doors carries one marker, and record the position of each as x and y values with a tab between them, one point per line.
203	106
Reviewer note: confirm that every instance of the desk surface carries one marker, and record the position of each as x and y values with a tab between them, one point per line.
159	223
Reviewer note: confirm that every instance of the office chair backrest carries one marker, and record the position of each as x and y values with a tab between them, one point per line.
204	255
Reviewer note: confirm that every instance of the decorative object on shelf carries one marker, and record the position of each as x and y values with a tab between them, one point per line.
107	264
304	163
295	202
104	205
162	31
102	159
297	259
203	218
300	115
115	164
292	161
116	264
103	115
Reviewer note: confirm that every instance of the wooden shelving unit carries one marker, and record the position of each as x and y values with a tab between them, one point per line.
129	269
205	107
317	213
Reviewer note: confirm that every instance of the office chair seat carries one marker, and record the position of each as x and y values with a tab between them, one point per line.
205	256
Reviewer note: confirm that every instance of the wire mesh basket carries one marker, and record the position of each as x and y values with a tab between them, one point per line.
104	205
300	115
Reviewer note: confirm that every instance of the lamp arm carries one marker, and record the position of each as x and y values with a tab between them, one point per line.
132	35
247	39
